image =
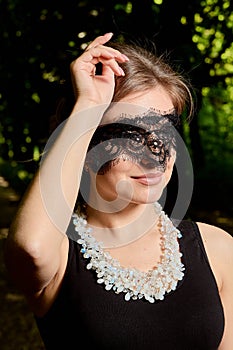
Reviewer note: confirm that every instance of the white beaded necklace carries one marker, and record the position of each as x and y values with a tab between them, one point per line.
136	284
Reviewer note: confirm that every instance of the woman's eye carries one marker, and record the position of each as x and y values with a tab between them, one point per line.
155	145
136	137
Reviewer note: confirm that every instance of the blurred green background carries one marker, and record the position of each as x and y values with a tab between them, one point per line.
38	42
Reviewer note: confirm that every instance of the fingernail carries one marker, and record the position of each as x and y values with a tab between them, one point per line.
125	57
121	71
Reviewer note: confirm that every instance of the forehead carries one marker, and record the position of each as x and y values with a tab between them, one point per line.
158	98
147	119
134	105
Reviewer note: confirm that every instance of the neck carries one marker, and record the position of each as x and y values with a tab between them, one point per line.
123	227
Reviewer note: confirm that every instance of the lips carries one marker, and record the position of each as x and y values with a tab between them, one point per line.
148	179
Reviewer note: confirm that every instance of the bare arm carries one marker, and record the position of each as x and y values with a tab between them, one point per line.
219	247
36	247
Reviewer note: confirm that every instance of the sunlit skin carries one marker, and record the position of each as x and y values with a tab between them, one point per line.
126	180
136	184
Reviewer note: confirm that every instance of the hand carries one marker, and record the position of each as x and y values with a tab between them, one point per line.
87	85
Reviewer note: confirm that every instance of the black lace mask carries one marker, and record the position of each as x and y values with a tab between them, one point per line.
146	140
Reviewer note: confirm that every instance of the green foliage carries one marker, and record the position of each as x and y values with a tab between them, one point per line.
215	122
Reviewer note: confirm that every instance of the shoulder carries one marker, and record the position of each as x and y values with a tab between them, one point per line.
215	236
219	248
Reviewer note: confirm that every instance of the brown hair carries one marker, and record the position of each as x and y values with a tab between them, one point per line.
145	70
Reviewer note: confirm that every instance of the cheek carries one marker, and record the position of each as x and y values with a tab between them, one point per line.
120	166
116	174
169	168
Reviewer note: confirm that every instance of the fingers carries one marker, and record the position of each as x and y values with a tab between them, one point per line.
100	40
107	56
97	87
96	49
103	51
112	65
97	52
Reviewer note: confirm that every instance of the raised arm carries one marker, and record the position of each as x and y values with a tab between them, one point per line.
36	245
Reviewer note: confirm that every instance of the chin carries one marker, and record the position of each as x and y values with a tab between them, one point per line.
150	197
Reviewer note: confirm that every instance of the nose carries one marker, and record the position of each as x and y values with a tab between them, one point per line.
148	164
150	161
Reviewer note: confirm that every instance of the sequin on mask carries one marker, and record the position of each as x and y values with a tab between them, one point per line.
146	140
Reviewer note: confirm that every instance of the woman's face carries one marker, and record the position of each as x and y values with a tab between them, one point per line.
138	174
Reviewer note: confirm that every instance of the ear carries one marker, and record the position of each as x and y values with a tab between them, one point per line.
170	166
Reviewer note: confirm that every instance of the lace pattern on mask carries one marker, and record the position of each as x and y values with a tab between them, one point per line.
146	140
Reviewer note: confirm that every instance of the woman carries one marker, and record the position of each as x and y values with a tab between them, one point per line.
123	276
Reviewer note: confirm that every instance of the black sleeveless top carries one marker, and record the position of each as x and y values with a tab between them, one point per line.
85	315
